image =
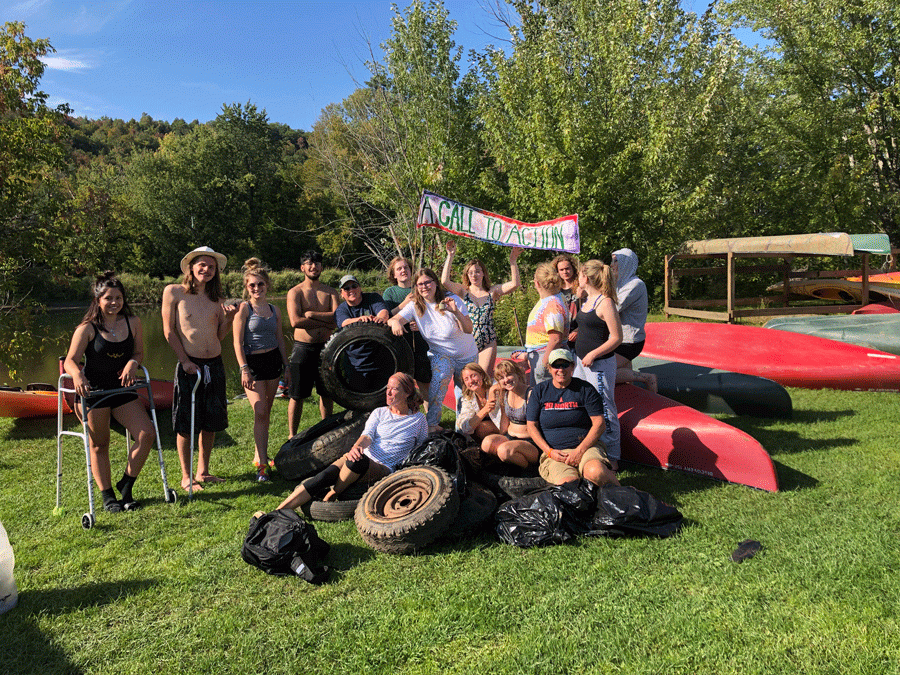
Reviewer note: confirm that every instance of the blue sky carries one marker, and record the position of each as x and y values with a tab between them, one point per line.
123	58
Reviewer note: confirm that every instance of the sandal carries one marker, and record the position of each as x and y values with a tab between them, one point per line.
261	469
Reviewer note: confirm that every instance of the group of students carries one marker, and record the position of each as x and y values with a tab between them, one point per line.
565	423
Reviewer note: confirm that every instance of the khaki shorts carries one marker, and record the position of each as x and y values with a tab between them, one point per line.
559	472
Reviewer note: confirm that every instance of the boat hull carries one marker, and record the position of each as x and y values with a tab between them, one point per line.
791	359
874	331
711	390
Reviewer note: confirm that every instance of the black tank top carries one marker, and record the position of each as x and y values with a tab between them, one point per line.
104	360
592	331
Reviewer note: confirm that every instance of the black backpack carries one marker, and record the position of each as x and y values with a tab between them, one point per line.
283	544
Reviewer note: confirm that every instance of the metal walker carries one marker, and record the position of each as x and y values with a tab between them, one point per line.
65	386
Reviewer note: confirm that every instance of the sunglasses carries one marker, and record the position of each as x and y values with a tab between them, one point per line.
425	284
561	365
351	287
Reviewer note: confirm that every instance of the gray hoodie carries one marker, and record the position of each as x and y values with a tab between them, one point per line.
632	295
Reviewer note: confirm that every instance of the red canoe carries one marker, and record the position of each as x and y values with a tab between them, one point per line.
791	359
21	404
657	431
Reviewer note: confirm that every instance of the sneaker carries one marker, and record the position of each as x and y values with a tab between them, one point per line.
261	469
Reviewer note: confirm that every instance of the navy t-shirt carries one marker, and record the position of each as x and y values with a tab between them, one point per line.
362	355
564	415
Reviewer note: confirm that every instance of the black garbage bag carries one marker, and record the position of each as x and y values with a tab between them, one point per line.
627	511
560	513
282	543
535	519
441	449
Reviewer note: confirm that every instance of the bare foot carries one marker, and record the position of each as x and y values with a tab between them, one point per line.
330	496
208	478
186	485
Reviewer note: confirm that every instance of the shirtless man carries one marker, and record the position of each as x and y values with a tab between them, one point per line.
311	306
194	323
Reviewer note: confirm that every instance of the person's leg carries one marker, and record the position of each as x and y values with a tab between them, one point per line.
183	445
304	492
207	439
520	453
492	443
606	380
625	374
598	473
556	473
351	472
295	412
98	440
441	375
257	398
326	406
486	358
134	417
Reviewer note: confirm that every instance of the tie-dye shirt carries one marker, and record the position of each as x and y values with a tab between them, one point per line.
549	314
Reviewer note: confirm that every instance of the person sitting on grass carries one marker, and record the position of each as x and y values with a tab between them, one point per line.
565	420
390	434
513	443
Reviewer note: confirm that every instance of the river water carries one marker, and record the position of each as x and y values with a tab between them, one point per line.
159	359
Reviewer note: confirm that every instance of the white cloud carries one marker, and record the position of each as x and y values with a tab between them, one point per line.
65	63
27	8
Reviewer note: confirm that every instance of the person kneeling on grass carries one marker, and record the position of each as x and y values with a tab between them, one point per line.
565	420
390	435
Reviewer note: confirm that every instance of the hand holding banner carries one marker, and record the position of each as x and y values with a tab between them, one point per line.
466	221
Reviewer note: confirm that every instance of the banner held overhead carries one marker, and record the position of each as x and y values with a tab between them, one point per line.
560	234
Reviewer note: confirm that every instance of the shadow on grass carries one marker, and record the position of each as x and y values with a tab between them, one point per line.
35	428
26	649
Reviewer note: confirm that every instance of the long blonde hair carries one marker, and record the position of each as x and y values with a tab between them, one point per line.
485	378
485	279
439	292
600	276
254	267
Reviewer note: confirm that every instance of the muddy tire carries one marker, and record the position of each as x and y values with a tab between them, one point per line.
407	510
474	511
339	510
394	355
298	460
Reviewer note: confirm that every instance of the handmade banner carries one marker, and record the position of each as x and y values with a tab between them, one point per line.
466	221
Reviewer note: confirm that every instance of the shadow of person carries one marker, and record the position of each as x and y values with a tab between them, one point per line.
25	649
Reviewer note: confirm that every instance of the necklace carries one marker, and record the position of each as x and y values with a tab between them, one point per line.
111	331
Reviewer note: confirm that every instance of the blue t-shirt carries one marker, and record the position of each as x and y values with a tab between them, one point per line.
564	415
362	355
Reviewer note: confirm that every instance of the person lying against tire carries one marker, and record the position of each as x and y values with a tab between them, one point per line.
513	443
565	419
363	367
390	434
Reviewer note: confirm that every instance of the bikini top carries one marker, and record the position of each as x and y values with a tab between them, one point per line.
515	415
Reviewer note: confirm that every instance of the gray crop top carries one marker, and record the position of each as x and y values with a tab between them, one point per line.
515	415
260	334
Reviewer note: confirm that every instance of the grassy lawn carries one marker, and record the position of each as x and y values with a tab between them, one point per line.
164	589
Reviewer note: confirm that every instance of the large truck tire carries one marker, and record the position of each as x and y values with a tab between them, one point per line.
299	459
394	356
407	510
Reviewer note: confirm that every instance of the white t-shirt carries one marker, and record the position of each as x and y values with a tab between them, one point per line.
393	436
441	331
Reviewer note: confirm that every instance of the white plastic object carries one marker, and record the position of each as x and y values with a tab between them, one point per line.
9	595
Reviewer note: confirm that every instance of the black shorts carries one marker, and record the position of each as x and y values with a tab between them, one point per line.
266	365
111	401
305	361
630	350
211	412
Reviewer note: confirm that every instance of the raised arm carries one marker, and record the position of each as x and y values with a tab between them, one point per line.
515	279
448	283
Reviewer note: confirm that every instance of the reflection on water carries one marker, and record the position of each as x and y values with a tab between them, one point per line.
159	359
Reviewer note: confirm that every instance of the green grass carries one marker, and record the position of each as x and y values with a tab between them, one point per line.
165	590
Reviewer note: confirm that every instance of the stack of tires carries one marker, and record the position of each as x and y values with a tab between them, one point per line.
403	512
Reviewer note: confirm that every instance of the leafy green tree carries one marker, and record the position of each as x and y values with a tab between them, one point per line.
832	73
411	127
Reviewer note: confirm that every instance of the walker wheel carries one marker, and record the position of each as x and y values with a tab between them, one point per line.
87	521
171	496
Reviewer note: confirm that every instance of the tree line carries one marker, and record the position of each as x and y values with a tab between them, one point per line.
654	124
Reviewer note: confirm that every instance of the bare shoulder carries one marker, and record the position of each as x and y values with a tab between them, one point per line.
173	292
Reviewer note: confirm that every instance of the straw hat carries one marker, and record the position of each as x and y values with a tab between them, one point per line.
186	261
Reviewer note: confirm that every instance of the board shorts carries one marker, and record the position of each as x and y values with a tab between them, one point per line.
111	401
559	472
630	350
306	358
210	404
266	366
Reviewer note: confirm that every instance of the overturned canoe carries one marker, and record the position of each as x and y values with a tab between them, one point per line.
875	331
